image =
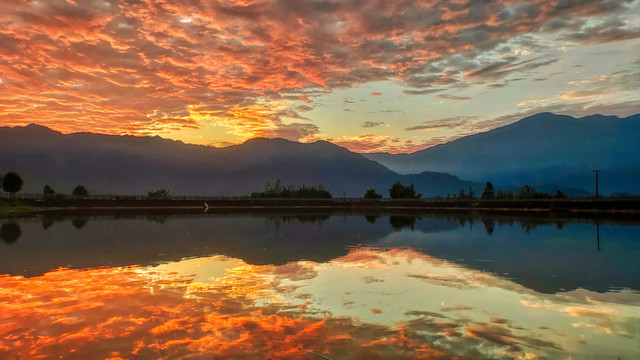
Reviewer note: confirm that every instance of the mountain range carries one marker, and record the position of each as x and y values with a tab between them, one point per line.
541	149
107	164
555	150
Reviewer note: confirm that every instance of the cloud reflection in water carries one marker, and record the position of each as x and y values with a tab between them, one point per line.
371	303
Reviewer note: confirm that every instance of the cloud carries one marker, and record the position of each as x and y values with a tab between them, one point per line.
144	66
371	124
446	123
609	30
422	92
294	132
453	97
376	143
585	94
503	68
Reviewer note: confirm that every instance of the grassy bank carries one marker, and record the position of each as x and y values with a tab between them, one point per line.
17	206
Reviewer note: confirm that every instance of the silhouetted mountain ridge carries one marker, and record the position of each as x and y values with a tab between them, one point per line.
111	164
539	149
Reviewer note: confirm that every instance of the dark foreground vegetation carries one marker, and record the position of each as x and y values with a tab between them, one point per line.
277	191
279	196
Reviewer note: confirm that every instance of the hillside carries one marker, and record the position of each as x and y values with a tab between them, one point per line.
135	165
540	149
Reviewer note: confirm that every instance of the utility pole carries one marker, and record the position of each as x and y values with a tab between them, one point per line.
596	171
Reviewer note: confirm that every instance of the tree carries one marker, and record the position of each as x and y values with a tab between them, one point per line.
399	191
48	191
159	194
371	194
471	194
508	195
559	195
80	191
461	194
12	183
291	192
489	192
526	192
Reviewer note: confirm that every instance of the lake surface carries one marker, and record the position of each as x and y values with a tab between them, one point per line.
319	285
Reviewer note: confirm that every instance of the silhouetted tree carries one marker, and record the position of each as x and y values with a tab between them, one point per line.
290	192
471	194
371	194
526	192
12	183
399	191
10	232
488	192
461	194
80	191
508	195
48	191
559	195
159	194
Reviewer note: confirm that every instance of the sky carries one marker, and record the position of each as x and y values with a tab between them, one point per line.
371	75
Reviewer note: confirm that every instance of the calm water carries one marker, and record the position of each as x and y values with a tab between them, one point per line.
313	286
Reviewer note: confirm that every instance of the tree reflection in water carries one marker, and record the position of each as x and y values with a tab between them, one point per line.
10	232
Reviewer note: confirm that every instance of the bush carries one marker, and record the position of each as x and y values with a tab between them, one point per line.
80	191
371	194
399	191
159	194
48	191
290	192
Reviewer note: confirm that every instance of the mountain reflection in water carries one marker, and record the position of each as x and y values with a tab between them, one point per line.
301	286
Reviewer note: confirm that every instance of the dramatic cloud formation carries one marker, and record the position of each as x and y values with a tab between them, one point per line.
250	67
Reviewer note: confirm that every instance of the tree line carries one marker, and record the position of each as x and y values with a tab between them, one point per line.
400	191
277	191
526	192
12	183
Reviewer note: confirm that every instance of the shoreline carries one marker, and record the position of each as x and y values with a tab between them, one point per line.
575	207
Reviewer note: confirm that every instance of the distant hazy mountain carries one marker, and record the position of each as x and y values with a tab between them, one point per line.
135	165
540	149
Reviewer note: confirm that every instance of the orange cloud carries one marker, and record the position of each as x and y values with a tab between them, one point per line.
377	143
139	67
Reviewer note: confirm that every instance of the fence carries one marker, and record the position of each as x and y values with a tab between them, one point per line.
435	199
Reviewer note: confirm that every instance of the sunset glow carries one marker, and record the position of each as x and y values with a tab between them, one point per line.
394	76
